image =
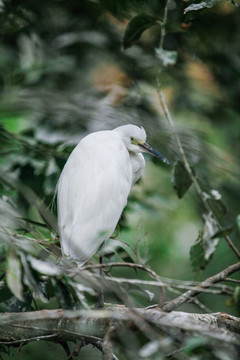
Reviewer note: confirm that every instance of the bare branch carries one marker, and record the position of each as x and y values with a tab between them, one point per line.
223	290
90	326
233	281
107	343
152	273
163	24
221	276
42	337
124	264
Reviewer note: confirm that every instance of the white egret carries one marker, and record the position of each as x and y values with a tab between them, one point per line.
94	186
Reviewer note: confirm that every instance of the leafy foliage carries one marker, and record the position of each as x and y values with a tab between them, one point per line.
14	276
136	27
197	254
205	246
181	180
222	233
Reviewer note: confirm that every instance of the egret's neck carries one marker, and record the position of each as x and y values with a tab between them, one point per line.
138	163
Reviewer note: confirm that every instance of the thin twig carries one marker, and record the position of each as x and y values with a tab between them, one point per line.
124	264
233	280
173	353
134	266
224	290
163	23
65	347
41	337
107	345
201	306
221	276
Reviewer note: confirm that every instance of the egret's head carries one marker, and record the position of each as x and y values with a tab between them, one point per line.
134	138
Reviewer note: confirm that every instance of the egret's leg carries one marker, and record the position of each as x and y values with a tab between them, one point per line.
100	303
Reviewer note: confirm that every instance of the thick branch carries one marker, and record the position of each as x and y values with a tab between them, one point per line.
91	325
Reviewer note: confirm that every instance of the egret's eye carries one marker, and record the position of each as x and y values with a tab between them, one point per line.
133	140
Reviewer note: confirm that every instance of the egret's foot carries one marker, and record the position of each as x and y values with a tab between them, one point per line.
100	302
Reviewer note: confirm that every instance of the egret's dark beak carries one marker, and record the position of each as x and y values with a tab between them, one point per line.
147	148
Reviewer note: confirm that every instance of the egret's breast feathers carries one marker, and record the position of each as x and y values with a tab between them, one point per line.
92	191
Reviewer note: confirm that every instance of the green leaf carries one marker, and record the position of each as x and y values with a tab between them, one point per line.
236	295
49	290
166	57
37	223
200	6
134	287
44	267
15	305
194	343
214	199
202	251
14	276
218	207
9	216
222	233
181	180
136	27
5	296
115	245
197	254
238	222
62	294
149	349
80	289
235	300
30	280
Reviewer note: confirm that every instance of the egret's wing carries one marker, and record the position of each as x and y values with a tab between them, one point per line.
92	193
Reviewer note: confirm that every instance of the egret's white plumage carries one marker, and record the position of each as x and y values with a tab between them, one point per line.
94	186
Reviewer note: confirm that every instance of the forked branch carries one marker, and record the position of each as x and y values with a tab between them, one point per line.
221	276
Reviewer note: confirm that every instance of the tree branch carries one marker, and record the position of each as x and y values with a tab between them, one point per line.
223	290
221	276
91	326
152	273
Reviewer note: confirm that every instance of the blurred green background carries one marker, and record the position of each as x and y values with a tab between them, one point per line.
64	74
